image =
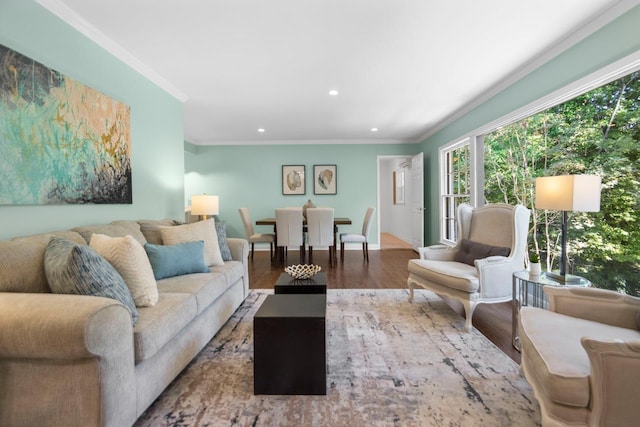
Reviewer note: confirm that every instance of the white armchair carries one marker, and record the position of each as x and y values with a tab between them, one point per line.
491	246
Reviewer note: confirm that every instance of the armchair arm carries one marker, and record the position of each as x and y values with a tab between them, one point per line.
599	305
495	276
437	253
615	375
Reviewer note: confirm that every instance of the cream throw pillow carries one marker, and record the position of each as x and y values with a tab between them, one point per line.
130	259
201	230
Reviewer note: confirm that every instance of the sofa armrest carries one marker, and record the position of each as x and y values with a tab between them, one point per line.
239	248
240	252
599	305
614	379
54	326
65	360
437	253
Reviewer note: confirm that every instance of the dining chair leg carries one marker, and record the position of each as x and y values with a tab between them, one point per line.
341	251
252	248
270	251
365	247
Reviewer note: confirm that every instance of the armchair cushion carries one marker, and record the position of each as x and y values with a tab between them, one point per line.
455	275
470	251
551	343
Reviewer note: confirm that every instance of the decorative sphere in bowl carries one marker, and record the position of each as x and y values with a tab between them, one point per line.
302	271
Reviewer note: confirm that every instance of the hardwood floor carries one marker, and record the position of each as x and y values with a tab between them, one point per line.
387	269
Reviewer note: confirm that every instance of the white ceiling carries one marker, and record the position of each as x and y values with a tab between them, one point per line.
406	67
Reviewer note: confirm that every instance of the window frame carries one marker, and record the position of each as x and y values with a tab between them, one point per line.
475	138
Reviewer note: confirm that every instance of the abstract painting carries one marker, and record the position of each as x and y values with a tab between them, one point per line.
325	179
61	142
293	180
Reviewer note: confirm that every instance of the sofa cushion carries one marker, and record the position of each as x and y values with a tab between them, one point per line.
115	229
129	258
157	325
201	230
206	287
22	261
176	260
150	228
456	275
551	343
469	251
77	269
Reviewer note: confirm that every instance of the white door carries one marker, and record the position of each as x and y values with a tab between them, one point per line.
417	201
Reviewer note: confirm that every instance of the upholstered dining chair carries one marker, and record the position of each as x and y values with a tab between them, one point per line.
320	231
254	237
359	238
289	231
491	246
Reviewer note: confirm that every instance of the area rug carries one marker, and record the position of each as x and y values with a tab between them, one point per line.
389	363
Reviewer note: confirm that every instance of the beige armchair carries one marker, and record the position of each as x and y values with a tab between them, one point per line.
491	246
582	356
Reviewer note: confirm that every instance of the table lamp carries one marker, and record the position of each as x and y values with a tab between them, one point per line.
575	193
203	205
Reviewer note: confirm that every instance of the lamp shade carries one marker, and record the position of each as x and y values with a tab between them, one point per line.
204	204
579	193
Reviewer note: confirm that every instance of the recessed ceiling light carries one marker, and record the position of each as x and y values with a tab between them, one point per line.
374	129
261	130
333	92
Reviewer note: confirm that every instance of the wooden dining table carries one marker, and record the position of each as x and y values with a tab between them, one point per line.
278	258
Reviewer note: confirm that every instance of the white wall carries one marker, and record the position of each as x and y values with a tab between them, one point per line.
394	219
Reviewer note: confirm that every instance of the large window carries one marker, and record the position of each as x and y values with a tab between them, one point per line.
455	161
595	130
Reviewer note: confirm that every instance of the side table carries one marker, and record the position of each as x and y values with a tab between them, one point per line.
527	290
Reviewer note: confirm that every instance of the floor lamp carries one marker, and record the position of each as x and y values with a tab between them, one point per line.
567	193
203	205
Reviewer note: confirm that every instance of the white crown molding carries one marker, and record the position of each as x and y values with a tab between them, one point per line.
303	142
63	12
601	19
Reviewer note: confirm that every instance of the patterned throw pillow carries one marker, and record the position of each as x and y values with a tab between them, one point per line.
176	260
201	230
129	258
77	269
221	231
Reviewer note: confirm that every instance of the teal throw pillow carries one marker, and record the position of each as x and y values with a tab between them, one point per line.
221	230
176	260
77	269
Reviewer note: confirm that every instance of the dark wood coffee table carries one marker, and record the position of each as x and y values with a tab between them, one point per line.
288	285
290	346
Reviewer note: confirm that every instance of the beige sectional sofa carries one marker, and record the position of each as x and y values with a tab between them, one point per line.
582	356
72	360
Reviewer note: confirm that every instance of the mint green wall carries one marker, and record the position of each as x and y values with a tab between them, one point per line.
613	42
251	177
156	123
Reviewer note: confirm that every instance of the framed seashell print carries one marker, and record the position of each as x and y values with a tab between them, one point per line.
293	180
325	179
